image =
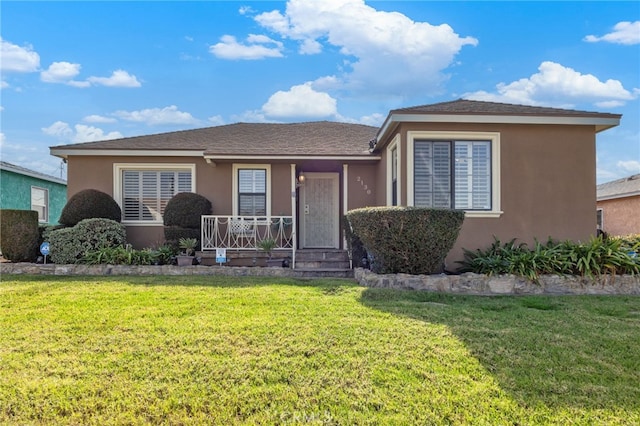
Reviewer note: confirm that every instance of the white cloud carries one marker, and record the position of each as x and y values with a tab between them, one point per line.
558	85
300	101
387	50
216	120
18	59
84	133
98	119
63	72
157	116
4	84
257	47
59	129
79	133
375	119
119	78
623	33
630	166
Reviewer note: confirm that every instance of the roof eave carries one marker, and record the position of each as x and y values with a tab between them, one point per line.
600	123
66	152
617	196
228	157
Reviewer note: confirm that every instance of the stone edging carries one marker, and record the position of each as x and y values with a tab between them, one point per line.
473	284
476	284
106	270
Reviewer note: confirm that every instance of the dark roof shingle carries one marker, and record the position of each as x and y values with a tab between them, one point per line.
310	138
465	106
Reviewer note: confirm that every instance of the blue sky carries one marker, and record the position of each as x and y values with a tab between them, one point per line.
83	71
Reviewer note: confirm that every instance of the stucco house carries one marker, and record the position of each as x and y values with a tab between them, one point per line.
25	189
518	171
618	204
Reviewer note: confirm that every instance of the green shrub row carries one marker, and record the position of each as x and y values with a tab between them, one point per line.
411	240
357	252
126	255
69	245
597	257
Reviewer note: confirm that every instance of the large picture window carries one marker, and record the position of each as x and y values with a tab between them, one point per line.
460	172
144	191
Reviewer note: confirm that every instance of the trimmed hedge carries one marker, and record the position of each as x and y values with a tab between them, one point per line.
68	245
182	217
184	210
90	204
411	240
19	235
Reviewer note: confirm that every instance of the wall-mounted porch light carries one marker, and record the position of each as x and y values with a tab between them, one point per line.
300	179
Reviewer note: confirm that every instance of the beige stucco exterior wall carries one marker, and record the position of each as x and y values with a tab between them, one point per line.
214	181
621	216
547	184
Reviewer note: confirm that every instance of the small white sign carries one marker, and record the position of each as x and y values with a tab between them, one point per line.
221	255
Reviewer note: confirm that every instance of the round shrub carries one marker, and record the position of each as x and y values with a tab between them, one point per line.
90	204
19	235
68	245
184	210
411	240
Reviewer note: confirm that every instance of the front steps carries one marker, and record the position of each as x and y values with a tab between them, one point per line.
310	263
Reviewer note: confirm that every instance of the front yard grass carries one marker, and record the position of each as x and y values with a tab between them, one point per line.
222	350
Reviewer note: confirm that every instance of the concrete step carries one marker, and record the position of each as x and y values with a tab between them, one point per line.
321	273
322	259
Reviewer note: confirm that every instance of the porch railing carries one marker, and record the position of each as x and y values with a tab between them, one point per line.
246	232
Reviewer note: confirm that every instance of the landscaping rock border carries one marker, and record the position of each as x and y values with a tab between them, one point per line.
476	284
469	283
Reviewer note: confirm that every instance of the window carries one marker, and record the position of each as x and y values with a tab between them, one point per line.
599	220
393	175
459	172
251	190
143	191
40	203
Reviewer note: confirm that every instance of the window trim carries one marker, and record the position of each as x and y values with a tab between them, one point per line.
118	168
46	203
493	137
234	190
395	144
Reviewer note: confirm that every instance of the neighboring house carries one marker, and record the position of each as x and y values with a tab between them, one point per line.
24	189
619	206
518	171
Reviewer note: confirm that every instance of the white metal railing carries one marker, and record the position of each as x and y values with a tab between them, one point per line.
246	232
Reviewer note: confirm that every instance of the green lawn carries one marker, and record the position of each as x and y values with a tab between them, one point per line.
221	350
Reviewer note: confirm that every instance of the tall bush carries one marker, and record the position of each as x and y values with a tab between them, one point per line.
68	245
19	235
90	204
182	217
410	240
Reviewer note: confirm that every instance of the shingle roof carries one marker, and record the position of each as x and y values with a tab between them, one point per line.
465	106
310	138
625	187
28	172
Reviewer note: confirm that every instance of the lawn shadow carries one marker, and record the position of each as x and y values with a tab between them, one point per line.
580	352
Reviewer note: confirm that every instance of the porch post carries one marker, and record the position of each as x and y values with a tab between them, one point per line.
294	217
345	206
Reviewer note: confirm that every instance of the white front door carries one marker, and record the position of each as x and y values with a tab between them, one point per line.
319	211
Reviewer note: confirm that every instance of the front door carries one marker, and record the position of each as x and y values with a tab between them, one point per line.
319	211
